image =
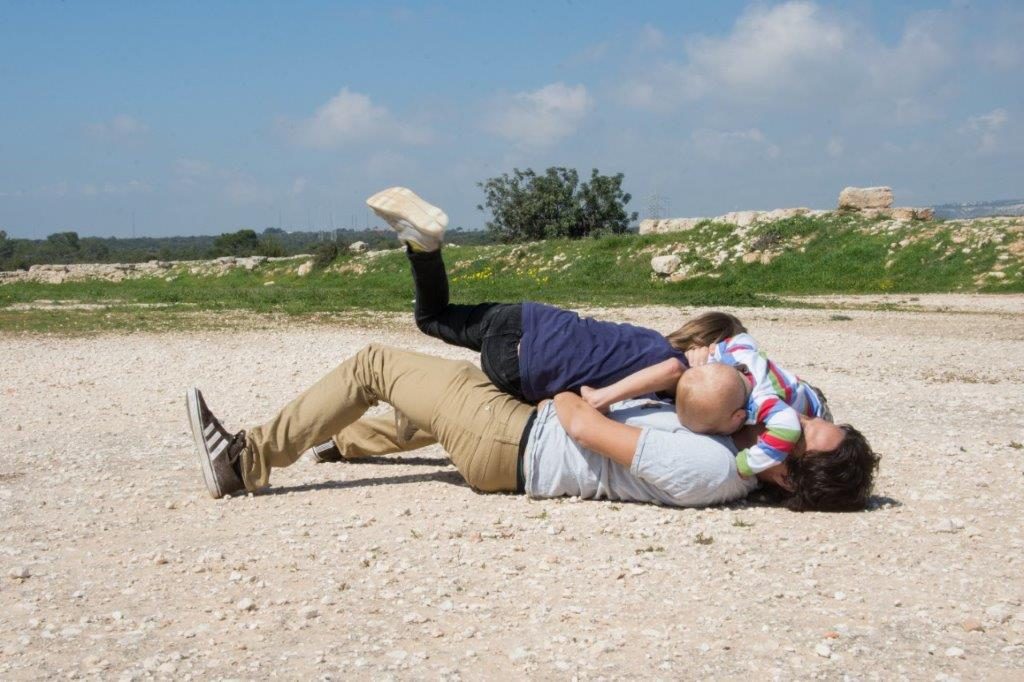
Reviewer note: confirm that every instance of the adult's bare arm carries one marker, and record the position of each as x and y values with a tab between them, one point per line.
594	431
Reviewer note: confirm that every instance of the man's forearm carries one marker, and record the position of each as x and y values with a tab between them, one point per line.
594	431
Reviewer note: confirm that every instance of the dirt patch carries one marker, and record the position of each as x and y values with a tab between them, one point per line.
117	564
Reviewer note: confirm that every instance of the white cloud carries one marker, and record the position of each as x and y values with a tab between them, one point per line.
352	117
986	127
798	52
541	117
731	145
120	127
769	48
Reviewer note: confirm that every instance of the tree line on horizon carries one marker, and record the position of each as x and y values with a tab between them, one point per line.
524	206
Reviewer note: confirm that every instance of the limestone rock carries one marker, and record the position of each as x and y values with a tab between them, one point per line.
651	226
784	214
305	269
358	247
665	265
739	218
858	198
908	213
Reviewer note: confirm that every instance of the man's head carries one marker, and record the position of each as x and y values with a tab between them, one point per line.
839	479
712	399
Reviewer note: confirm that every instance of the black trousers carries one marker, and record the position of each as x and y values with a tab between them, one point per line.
492	329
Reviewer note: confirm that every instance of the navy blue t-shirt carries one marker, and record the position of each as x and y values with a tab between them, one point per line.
561	351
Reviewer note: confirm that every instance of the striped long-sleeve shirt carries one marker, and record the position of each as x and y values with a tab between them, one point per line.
776	399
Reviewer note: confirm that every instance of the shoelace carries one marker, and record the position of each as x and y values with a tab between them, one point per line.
235	448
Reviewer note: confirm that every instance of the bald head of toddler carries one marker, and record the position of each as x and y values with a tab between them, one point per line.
712	399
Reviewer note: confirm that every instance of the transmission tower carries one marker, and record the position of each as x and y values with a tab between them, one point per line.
657	206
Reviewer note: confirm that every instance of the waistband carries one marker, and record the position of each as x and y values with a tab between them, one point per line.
520	470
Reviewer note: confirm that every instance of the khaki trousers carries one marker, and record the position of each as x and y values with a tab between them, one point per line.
376	436
479	426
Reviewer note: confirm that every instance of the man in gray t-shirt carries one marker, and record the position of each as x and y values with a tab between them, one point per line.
638	452
670	466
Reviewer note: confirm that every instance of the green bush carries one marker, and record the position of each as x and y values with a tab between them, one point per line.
324	254
271	248
529	207
241	243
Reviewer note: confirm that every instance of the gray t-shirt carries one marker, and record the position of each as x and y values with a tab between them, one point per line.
671	465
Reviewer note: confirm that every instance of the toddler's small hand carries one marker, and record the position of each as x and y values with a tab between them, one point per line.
698	356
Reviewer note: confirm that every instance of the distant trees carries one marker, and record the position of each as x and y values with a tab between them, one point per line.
69	247
526	206
240	243
271	247
63	245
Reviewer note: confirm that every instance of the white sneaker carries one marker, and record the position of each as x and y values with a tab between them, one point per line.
417	222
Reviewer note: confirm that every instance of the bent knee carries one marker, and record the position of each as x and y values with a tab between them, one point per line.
428	325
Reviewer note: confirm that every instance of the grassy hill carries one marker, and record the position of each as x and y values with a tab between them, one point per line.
720	265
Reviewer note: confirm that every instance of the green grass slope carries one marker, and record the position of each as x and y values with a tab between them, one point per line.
721	265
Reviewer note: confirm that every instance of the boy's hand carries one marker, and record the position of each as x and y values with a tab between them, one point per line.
594	397
698	356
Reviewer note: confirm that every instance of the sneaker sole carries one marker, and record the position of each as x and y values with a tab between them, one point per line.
401	203
195	420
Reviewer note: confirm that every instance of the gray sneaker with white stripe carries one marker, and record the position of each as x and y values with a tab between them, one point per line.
218	448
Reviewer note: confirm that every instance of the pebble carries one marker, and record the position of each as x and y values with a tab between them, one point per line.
973	625
19	573
823	650
999	613
308	612
954	652
245	604
948	526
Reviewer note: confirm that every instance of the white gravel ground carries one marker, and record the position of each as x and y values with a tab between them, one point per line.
116	564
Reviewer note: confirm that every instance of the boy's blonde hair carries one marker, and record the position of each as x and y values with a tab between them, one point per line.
704	330
712	399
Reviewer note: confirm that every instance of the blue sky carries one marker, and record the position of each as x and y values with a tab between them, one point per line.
207	117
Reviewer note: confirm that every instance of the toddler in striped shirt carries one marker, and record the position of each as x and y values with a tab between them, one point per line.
731	384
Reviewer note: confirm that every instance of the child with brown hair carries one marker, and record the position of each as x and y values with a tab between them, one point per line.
529	350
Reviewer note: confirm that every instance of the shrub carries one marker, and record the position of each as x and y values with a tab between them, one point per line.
527	207
324	254
241	243
271	247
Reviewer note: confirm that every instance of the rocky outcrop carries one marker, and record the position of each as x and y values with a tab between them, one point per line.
358	247
118	272
652	226
665	265
901	213
737	218
869	202
858	198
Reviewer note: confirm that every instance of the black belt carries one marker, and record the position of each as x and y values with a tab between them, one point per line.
520	471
